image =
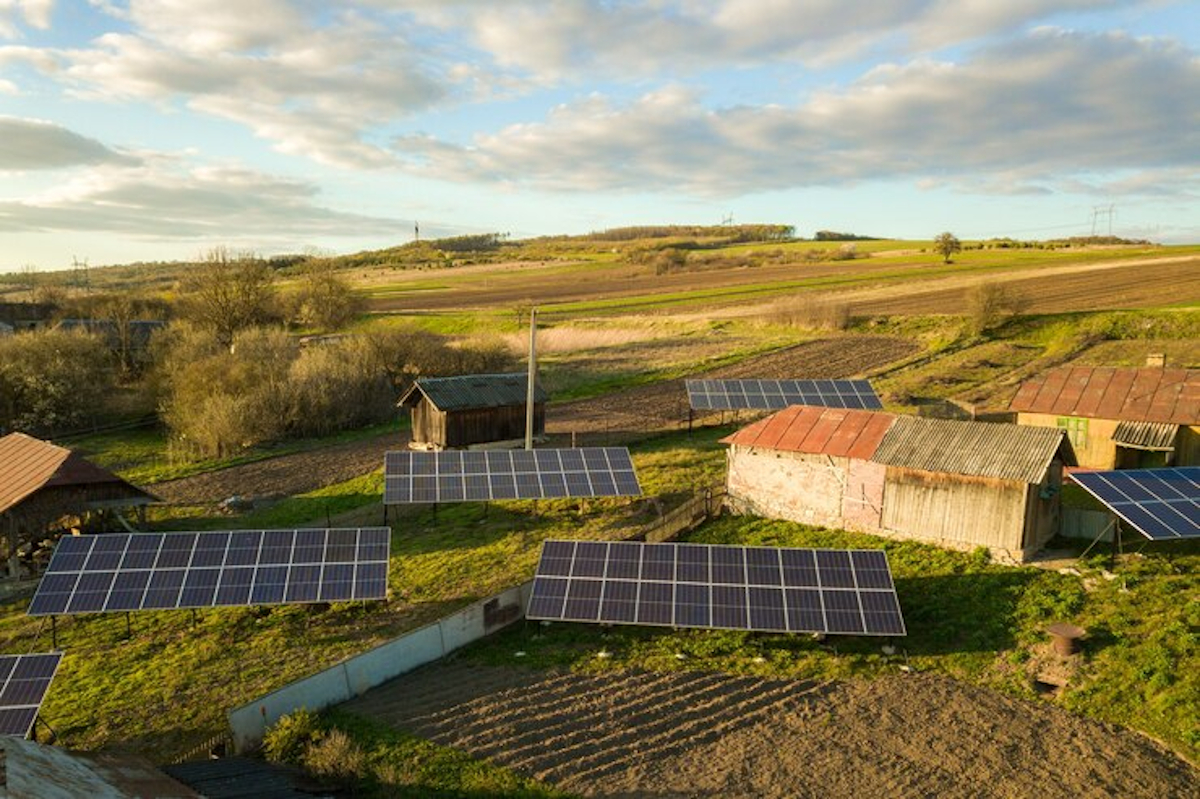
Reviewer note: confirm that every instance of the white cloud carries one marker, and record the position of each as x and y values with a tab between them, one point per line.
1026	114
625	37
165	198
33	144
35	13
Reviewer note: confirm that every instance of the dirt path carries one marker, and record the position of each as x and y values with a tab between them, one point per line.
623	415
702	734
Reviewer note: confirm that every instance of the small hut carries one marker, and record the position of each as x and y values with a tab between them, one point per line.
472	411
958	484
1118	418
42	484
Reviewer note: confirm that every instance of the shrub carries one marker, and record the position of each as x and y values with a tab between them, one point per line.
53	380
815	313
323	301
991	304
289	738
335	754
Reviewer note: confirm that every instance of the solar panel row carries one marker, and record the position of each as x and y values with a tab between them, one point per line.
24	681
727	587
1160	503
147	571
453	476
777	394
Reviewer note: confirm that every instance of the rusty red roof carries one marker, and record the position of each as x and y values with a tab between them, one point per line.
1134	395
28	464
817	431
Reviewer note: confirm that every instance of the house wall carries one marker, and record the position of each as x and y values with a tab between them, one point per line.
1187	446
1090	438
480	426
957	510
787	485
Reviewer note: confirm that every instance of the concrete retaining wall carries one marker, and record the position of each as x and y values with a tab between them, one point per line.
361	673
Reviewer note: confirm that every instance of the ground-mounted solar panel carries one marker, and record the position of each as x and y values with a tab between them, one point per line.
1162	504
161	571
764	589
472	476
24	681
770	395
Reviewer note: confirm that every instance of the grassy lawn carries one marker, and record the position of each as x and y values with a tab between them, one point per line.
166	688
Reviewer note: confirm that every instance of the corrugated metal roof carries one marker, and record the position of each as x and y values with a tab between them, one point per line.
1146	435
473	391
981	449
47	772
28	464
1136	395
818	431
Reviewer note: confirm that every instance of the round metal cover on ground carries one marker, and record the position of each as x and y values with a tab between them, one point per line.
1065	637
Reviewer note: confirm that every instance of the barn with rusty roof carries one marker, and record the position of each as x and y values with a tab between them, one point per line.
472	411
1118	418
959	484
41	484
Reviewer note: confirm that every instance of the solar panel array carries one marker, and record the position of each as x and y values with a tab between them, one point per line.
1161	503
473	476
768	395
24	681
159	571
723	587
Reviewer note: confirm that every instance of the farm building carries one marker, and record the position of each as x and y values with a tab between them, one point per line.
959	484
42	484
472	410
1118	418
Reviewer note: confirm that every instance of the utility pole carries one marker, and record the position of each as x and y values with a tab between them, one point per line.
529	393
416	231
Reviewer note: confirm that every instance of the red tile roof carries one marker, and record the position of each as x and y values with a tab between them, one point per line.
28	464
1136	395
817	431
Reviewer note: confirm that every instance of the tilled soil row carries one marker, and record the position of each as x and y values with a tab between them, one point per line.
705	734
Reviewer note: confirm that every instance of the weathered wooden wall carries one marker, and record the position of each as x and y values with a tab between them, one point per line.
448	429
978	511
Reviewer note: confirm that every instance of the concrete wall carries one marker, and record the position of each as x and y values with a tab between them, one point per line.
361	673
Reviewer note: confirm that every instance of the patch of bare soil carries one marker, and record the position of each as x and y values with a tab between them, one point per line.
695	734
626	415
284	475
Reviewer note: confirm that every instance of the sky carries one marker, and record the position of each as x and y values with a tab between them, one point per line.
146	130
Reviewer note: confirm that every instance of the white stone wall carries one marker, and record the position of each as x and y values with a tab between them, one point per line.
787	485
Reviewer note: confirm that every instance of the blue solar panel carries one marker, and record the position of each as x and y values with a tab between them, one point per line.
721	587
158	571
454	476
24	681
713	395
1161	504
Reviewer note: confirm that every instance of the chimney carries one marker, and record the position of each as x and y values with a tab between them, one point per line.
1157	360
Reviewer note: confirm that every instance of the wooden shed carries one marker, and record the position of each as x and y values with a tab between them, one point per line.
959	484
1118	418
42	484
472	410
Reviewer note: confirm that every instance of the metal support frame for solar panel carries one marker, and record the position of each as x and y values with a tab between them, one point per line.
764	589
1161	504
768	395
114	572
24	682
484	476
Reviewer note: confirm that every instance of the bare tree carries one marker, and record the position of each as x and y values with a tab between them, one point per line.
947	244
229	292
324	300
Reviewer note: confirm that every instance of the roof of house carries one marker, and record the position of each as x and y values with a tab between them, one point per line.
473	391
48	772
240	778
980	449
817	431
1135	395
28	464
1158	436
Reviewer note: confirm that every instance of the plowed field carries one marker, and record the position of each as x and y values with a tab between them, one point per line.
704	734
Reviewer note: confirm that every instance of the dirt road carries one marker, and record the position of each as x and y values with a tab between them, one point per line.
699	734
